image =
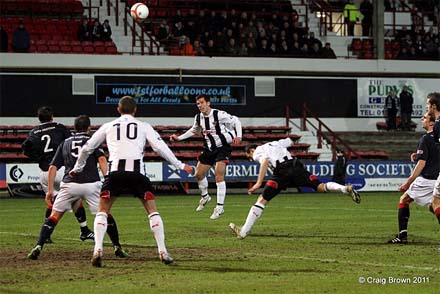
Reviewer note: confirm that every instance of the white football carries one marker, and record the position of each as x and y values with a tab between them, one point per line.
139	12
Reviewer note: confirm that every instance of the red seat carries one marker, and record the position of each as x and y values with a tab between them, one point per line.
42	49
65	49
54	48
100	49
78	49
111	50
88	49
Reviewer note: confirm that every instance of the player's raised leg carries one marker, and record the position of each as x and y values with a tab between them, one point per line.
202	181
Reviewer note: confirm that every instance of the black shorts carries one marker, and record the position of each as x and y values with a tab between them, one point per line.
291	173
124	182
219	154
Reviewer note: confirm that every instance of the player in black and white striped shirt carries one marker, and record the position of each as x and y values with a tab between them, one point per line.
287	171
220	130
126	137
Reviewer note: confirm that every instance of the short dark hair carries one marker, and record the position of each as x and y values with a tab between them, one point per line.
82	123
45	114
434	99
127	105
249	147
206	97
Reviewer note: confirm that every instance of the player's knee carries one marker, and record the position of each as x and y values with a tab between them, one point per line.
405	199
149	196
199	176
219	178
105	194
270	190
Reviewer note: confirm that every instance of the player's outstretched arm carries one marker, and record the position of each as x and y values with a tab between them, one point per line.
94	142
50	183
263	169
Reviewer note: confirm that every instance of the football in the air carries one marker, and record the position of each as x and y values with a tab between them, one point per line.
139	12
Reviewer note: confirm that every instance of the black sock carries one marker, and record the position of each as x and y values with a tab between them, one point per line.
46	231
403	216
80	215
48	212
112	230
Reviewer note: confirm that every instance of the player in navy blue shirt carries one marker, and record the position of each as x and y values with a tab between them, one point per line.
433	105
86	186
420	184
40	146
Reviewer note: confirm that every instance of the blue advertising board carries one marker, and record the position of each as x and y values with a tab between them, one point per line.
364	175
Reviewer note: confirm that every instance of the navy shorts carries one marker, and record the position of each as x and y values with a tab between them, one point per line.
219	154
125	182
291	173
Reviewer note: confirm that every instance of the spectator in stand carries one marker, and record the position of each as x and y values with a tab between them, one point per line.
187	48
198	49
391	109
231	48
312	40
163	32
178	30
96	31
210	49
273	50
351	16
284	49
251	39
243	51
84	31
315	51
106	31
327	51
403	54
406	108
3	40
220	41
305	51
251	48
295	51
413	53
366	9
21	40
251	29
263	49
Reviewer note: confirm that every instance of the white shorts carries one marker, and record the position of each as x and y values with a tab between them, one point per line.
421	191
436	192
44	175
70	193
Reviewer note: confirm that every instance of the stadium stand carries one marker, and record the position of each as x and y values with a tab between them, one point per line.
52	26
11	138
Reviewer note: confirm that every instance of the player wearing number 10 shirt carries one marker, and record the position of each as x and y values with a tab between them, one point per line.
40	146
126	137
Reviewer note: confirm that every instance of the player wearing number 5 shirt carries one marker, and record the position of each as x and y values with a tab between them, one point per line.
126	137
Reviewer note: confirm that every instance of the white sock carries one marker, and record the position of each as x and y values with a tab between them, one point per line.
83	224
254	214
203	186
221	193
335	187
100	228
156	226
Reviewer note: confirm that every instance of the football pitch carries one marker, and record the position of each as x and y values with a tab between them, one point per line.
303	243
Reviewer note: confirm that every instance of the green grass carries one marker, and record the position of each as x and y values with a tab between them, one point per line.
303	243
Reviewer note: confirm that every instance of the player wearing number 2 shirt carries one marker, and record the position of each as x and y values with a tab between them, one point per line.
126	137
40	146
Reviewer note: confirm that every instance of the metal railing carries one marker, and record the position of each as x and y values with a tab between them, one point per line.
333	139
